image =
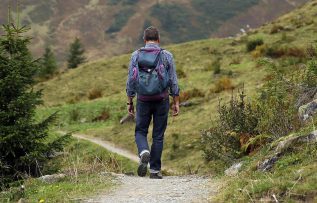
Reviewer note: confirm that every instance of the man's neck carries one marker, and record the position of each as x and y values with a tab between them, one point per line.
151	42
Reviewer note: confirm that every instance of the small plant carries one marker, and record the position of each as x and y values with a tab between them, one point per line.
175	146
104	115
276	29
222	84
94	93
251	45
180	73
219	145
216	67
76	54
186	95
74	115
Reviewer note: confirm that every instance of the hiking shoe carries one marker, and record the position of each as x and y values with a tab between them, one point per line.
156	175
144	160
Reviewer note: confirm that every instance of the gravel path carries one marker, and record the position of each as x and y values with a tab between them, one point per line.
172	189
132	189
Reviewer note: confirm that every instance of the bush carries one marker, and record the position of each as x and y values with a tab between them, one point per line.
277	104
186	95
94	93
277	51
276	28
235	126
223	84
180	73
216	67
25	145
251	45
104	115
218	145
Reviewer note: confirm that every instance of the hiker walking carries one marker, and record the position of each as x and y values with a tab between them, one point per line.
152	78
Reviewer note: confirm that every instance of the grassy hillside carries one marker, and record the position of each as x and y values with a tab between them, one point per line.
87	168
197	62
112	27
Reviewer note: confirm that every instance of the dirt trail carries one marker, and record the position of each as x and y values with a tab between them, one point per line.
132	189
109	146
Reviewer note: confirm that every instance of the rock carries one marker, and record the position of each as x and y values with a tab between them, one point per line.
234	169
22	200
267	164
283	145
307	110
52	178
311	137
127	118
186	104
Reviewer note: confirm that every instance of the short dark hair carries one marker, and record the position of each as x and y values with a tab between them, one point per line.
151	34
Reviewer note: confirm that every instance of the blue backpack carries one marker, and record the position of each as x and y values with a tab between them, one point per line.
151	73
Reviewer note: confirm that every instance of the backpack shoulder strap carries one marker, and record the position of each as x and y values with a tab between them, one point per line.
164	58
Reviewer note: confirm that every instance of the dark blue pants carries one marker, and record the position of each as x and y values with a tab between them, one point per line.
144	113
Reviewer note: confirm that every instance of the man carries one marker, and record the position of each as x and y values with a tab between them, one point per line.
152	77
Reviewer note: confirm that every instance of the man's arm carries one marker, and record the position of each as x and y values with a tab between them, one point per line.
174	89
130	88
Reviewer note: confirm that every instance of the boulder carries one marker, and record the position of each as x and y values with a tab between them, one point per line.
307	110
268	163
282	145
52	178
127	118
186	104
234	169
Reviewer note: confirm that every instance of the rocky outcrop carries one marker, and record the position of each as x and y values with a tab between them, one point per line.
52	178
234	169
308	110
282	145
127	118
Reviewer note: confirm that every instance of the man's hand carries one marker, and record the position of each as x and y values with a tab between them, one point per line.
130	106
175	106
131	109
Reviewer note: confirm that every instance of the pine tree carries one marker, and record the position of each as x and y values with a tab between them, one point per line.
48	64
76	54
24	143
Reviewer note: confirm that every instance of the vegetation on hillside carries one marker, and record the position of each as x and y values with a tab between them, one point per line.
76	54
24	142
275	67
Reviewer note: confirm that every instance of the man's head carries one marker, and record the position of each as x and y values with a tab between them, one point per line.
151	34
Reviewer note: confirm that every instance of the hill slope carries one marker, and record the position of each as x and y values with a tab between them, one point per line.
197	60
286	42
112	27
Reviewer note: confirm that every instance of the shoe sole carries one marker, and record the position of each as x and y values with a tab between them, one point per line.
142	169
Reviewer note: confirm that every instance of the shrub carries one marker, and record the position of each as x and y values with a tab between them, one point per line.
251	45
276	51
103	116
216	67
25	145
186	95
223	84
277	104
276	28
235	127
94	93
259	51
218	145
180	73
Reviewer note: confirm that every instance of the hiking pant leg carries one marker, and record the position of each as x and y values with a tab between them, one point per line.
143	120
160	116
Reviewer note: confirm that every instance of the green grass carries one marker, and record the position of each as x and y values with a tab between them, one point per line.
292	179
84	164
67	94
195	59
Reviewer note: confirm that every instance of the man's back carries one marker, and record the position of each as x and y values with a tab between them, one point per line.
149	68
